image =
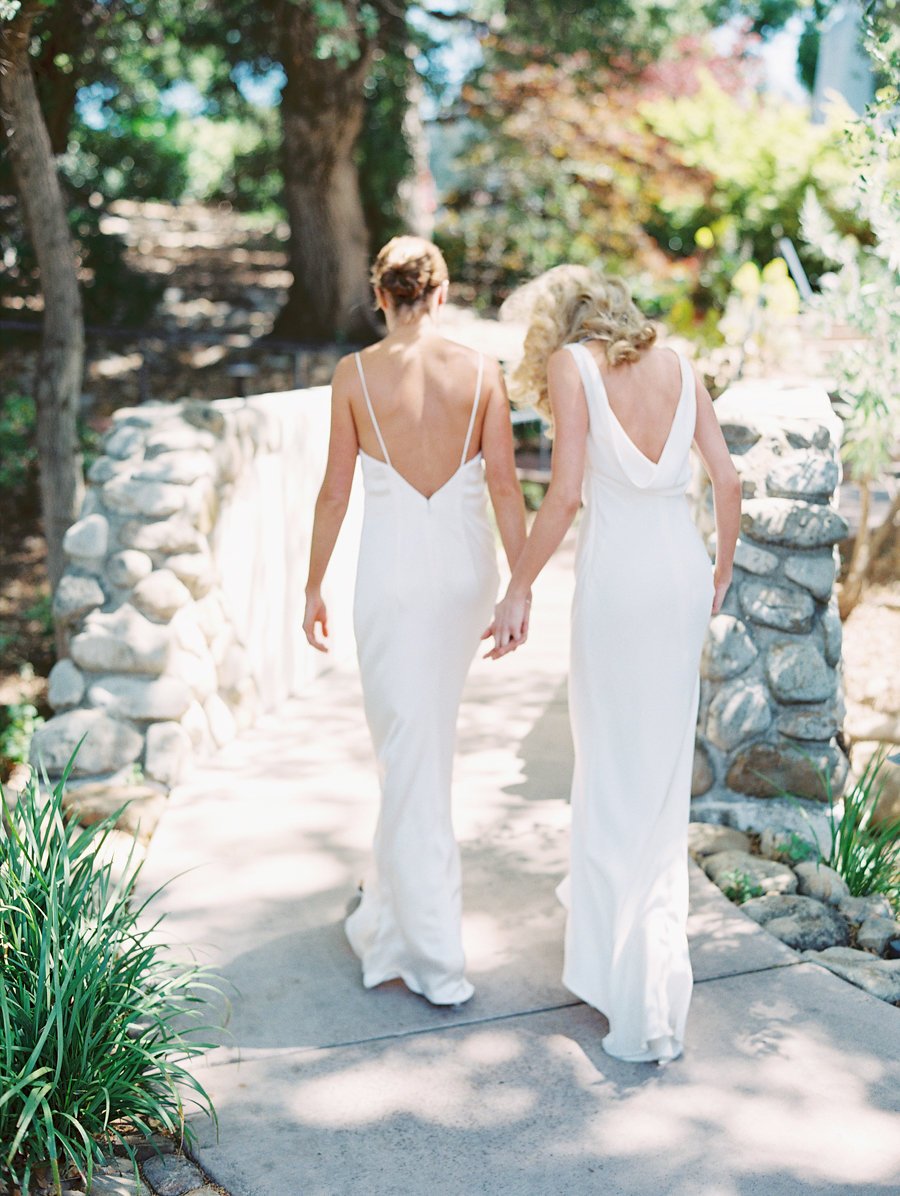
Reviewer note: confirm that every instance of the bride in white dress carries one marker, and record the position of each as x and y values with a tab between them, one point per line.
430	421
625	415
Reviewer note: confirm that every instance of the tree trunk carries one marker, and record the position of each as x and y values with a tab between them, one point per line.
866	548
61	361
322	109
851	587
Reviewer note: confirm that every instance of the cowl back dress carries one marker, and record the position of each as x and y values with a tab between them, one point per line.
425	591
643	594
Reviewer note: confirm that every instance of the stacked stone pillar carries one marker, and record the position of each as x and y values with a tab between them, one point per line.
771	703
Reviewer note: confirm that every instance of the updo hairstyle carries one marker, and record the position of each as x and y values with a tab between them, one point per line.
569	304
409	269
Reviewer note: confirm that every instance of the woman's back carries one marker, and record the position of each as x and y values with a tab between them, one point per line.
643	395
423	394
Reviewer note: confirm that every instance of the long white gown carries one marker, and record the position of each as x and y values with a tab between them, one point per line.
425	590
643	593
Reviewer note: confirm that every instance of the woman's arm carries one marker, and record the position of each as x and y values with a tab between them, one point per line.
560	505
500	465
726	491
331	505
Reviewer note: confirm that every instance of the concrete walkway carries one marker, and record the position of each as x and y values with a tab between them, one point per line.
791	1078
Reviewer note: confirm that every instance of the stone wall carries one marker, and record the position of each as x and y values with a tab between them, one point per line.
182	599
771	695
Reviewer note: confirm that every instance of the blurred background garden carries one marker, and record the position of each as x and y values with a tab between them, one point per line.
225	170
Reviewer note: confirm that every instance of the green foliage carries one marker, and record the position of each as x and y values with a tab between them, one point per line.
677	191
796	849
18	445
557	170
738	886
133	155
865	853
758	321
238	160
863	293
41	612
534	494
18	453
384	153
754	158
97	1020
18	723
623	36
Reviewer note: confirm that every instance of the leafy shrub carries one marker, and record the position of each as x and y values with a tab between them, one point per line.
97	1021
754	158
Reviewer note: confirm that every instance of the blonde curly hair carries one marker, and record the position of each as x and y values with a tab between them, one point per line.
569	304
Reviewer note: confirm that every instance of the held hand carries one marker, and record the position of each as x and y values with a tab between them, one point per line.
721	589
315	614
510	625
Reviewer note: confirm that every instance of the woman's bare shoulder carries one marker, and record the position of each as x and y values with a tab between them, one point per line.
345	377
561	364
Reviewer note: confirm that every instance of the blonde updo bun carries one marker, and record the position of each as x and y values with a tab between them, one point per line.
569	304
409	269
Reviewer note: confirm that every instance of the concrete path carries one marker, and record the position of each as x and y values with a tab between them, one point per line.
790	1082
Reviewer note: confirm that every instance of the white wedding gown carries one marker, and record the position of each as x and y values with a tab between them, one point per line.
643	594
425	590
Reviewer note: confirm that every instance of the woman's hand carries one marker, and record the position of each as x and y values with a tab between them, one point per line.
315	614
721	583
510	625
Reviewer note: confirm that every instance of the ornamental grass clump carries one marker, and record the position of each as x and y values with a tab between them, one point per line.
864	852
96	1020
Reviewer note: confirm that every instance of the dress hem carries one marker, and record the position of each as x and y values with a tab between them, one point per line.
647	1053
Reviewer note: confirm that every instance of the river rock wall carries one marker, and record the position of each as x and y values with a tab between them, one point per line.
771	706
182	600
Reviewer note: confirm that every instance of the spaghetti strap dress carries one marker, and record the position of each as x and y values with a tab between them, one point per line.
425	590
643	594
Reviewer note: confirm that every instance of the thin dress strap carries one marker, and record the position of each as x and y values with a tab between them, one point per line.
365	390
465	451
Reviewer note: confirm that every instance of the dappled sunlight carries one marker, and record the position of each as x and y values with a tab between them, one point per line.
268	877
382	1089
490	1049
786	1095
487	942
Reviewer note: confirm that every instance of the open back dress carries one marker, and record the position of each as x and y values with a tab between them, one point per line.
643	594
425	590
